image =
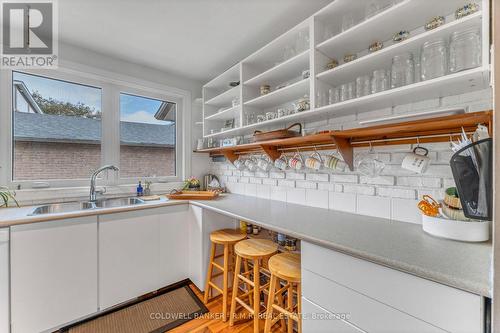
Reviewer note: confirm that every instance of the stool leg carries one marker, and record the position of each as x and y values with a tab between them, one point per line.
290	307
299	306
237	269
224	283
282	304
270	301
245	267
256	295
209	273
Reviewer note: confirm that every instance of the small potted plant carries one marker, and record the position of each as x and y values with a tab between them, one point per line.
6	195
191	184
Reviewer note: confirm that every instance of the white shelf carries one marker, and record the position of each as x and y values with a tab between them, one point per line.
293	91
466	81
383	58
273	51
406	15
222	81
225	98
227	114
287	70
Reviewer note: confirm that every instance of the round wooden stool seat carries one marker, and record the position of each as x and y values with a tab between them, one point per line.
227	236
286	266
255	248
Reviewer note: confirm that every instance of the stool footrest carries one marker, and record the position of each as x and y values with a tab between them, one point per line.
216	287
216	265
245	305
244	279
286	312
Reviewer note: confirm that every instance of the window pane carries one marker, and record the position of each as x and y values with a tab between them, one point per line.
57	128
147	137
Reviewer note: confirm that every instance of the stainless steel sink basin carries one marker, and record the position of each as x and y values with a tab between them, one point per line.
85	205
118	202
63	208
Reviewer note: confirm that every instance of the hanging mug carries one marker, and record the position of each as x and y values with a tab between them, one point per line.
314	161
264	164
251	164
239	164
296	162
417	161
281	163
334	163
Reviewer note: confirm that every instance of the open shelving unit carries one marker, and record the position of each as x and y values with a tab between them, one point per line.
434	129
267	66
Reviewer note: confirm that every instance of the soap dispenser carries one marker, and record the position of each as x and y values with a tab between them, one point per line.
140	190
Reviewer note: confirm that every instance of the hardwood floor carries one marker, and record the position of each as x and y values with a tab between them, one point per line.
210	322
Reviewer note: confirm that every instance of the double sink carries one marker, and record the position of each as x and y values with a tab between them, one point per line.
85	205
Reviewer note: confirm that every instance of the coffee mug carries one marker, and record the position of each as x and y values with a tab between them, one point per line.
239	164
417	161
251	164
369	164
296	162
264	164
281	163
314	161
334	163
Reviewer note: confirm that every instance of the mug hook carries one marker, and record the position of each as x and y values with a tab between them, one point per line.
418	141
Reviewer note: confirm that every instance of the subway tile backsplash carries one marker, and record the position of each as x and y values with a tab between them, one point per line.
393	195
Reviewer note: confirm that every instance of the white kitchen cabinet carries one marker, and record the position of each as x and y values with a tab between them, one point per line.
53	273
317	320
141	251
4	280
371	292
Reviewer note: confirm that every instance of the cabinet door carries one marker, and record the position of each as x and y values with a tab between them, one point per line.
4	280
175	254
317	320
129	255
53	273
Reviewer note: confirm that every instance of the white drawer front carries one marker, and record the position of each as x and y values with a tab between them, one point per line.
315	320
451	309
363	312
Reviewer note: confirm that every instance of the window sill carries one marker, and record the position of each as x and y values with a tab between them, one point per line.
29	197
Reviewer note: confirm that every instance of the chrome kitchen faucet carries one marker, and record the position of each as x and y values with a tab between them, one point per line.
94	176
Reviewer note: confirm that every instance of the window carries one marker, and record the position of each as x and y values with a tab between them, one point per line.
147	137
56	128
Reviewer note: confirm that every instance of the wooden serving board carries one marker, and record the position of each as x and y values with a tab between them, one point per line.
193	195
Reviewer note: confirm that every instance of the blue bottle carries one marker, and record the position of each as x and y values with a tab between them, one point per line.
140	190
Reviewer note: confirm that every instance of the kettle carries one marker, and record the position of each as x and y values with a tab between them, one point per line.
207	179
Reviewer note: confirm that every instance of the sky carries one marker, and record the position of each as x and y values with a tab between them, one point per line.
132	108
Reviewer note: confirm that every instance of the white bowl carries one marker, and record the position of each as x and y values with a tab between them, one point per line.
478	231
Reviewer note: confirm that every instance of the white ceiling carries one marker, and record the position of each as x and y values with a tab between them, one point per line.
197	39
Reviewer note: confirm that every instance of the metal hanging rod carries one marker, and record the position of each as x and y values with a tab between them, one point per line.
356	143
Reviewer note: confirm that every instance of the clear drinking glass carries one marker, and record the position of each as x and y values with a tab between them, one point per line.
302	42
402	70
363	86
433	59
380	81
347	21
333	95
465	50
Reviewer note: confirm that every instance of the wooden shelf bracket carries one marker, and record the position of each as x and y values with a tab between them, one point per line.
345	149
230	155
271	151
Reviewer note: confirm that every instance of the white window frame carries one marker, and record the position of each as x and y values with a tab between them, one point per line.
111	84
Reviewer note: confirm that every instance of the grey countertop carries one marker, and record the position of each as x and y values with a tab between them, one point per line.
398	245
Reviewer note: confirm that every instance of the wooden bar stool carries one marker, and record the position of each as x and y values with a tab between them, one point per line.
227	238
285	267
257	251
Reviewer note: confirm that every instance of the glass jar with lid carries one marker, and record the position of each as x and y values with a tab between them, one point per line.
433	59
465	50
402	70
380	81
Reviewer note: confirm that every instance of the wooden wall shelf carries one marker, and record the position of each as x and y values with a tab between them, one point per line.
437	129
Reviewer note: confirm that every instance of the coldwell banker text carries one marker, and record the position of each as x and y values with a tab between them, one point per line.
29	34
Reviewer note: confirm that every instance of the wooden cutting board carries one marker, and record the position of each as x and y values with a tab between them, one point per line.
193	195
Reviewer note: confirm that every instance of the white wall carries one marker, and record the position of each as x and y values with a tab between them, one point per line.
393	195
